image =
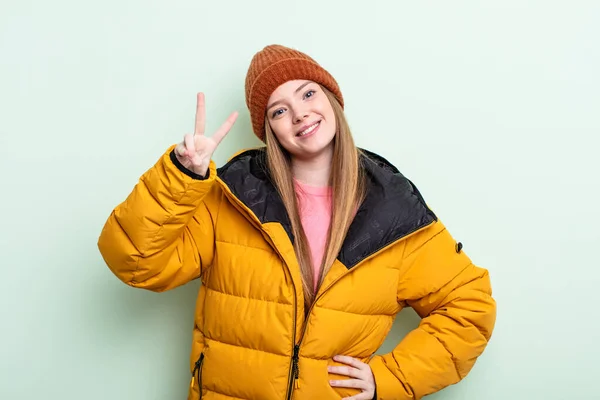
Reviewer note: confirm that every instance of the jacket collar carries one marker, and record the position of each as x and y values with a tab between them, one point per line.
393	207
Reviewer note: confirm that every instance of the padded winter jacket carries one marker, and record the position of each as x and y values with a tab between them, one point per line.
251	339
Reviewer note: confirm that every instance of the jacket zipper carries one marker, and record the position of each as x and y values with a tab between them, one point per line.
293	378
294	368
197	373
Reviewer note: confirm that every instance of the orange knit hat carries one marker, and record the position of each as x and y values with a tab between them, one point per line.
273	66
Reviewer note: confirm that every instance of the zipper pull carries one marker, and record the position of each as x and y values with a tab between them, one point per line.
199	361
196	368
296	366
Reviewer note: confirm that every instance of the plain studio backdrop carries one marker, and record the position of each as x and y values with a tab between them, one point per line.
491	109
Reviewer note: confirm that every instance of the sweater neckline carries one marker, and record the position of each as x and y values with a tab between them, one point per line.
313	190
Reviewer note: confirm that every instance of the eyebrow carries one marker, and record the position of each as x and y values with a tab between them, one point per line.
296	91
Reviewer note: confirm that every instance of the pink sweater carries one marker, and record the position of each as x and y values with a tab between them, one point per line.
315	214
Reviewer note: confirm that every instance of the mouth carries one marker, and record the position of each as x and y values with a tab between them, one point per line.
308	130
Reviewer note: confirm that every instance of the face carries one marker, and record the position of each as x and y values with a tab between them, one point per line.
302	118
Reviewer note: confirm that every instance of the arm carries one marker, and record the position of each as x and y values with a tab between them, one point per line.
162	235
453	298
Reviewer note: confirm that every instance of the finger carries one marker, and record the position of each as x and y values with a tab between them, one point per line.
200	115
189	146
350	361
349	383
180	149
224	129
347	371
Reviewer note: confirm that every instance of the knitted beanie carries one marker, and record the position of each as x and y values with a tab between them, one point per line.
273	66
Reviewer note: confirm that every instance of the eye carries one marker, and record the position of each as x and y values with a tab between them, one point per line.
310	93
277	112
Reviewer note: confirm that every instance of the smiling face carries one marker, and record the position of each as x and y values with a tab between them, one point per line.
302	118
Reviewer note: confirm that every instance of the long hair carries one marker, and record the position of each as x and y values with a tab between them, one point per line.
348	190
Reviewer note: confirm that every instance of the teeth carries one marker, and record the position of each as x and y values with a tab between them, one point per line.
309	129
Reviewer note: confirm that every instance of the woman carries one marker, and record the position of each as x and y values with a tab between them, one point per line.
307	249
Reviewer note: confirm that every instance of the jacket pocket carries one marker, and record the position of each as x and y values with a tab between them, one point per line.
195	391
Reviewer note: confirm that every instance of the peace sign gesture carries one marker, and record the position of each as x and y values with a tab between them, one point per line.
195	152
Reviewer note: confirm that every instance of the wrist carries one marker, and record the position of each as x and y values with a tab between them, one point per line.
196	174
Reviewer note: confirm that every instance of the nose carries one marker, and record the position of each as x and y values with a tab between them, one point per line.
299	115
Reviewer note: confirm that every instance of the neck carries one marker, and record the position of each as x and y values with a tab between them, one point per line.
314	171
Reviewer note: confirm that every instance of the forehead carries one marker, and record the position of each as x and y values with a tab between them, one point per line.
288	88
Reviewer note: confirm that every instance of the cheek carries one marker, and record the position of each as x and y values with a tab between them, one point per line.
327	111
331	120
280	129
276	127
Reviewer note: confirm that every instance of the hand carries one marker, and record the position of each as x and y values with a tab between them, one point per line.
195	152
362	374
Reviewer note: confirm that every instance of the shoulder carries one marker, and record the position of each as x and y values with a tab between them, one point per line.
251	160
378	161
393	192
392	209
384	176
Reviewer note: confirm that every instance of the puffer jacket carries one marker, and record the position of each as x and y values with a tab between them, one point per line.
251	339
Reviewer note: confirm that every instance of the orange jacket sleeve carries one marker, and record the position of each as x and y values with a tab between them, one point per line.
454	299
162	235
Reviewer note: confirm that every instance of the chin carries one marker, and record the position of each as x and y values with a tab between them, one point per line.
313	149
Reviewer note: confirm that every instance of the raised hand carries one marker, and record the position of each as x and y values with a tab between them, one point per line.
195	152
